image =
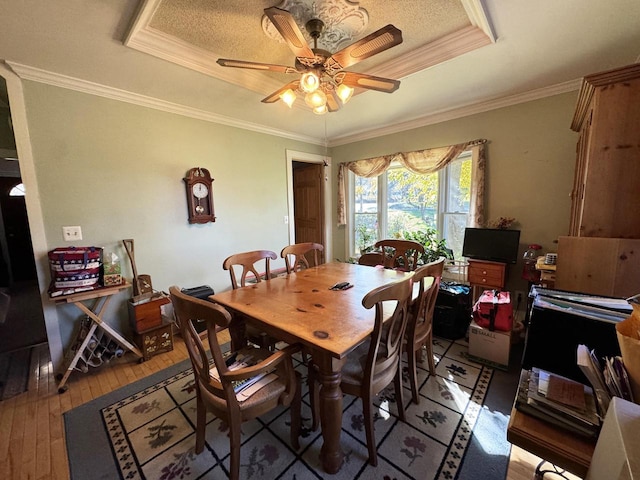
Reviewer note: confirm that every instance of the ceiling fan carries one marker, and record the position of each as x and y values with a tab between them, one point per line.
322	78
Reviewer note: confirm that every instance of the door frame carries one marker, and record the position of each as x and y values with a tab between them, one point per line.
34	209
296	156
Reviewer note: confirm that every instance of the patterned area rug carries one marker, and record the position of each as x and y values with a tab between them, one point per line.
152	431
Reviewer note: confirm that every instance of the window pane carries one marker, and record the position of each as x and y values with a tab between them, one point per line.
17	191
453	226
455	215
366	212
412	201
459	191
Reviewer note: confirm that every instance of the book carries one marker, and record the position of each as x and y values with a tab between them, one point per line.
539	411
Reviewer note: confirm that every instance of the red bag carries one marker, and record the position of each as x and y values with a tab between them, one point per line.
75	269
494	311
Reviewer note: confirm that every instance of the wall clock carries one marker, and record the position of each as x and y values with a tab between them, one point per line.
200	195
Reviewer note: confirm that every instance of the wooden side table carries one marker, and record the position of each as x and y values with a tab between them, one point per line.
484	274
558	446
100	298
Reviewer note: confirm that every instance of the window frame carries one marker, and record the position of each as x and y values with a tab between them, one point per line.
444	178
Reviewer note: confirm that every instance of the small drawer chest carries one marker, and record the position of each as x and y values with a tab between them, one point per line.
484	274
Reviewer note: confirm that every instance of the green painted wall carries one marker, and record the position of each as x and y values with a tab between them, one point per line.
531	154
116	170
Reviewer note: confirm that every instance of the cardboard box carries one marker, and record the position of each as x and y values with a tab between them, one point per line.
489	347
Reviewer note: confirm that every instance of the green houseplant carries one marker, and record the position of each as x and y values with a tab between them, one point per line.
433	248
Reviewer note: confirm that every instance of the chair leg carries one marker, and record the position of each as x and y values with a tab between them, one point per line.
296	421
413	374
314	396
201	424
234	440
429	345
370	433
397	381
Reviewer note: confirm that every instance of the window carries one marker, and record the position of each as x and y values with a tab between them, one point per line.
17	191
399	200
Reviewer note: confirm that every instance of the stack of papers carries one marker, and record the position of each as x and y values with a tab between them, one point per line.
247	387
607	382
559	400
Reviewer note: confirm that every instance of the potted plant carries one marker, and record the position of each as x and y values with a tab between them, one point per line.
433	248
365	236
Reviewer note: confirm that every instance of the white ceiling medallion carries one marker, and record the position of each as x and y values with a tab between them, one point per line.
344	21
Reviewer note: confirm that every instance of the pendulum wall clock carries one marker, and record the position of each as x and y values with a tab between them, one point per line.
199	196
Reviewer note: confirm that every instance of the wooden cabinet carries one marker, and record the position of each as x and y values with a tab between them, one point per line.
606	192
599	266
155	341
486	275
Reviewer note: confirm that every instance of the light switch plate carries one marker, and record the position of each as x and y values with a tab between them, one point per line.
72	234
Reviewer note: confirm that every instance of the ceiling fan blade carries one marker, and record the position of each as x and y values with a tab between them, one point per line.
333	105
372	44
275	96
226	62
288	28
370	82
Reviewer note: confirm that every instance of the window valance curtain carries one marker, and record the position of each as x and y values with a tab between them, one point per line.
421	161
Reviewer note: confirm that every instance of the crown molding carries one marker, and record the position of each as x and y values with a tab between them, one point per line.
445	48
38	75
26	72
454	113
477	16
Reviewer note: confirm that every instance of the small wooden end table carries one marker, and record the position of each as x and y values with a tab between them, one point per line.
553	444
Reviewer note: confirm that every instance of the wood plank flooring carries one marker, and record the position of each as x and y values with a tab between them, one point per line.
32	443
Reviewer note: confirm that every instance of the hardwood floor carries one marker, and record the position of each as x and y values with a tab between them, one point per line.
32	443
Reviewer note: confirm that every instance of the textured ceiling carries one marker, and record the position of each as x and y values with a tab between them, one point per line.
111	48
222	28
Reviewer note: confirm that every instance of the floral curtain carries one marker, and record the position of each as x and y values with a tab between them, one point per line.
421	161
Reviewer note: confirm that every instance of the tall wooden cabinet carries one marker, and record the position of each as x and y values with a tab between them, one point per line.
606	191
602	254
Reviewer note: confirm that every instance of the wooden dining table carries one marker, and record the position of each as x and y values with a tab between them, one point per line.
300	308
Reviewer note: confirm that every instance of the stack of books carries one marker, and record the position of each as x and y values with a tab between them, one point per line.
559	400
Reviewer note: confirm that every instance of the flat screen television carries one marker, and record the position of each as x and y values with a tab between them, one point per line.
491	244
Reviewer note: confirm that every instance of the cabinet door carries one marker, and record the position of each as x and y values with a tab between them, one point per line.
577	194
612	174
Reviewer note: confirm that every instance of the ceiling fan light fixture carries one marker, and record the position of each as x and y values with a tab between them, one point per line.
309	82
316	99
344	92
288	97
320	110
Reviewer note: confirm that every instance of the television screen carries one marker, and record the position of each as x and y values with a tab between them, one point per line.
491	244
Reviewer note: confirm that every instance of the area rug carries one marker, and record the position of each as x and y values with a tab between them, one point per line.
14	372
148	432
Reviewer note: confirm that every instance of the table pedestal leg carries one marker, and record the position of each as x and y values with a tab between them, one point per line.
238	332
331	454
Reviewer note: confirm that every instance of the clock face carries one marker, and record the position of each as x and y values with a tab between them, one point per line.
200	190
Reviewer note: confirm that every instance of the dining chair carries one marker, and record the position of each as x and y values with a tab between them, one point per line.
296	256
243	269
371	259
373	365
419	331
218	395
400	254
